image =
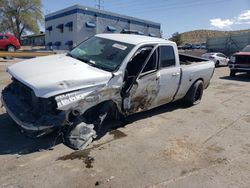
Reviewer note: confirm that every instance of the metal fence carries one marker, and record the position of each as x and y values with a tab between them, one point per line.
228	44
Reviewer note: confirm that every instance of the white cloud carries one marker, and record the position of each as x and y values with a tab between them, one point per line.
242	19
245	15
221	24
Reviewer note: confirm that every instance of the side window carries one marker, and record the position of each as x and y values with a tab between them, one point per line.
152	63
167	56
221	55
5	37
1	37
135	65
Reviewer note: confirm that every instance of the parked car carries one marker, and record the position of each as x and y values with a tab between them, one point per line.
196	46
240	62
116	74
187	46
203	46
9	43
219	59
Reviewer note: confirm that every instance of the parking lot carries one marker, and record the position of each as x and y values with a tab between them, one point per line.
207	145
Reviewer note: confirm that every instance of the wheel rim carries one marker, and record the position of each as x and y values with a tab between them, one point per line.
217	63
11	49
198	94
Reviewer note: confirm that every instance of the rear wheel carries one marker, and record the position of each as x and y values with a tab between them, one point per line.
10	48
232	73
217	64
194	94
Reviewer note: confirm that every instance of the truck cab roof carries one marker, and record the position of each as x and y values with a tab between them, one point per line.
134	39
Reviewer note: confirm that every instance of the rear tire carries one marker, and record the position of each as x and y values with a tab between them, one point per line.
217	64
11	48
194	95
232	73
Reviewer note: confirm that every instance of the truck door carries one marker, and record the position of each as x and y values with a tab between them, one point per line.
169	73
142	92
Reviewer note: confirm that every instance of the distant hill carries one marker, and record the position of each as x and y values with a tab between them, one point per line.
200	36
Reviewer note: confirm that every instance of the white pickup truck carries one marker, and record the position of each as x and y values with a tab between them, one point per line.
115	74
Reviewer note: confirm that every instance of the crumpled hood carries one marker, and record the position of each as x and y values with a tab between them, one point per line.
56	74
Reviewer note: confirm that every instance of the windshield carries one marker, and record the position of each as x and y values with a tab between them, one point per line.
102	53
246	49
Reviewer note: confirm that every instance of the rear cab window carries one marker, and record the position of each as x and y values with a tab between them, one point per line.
167	56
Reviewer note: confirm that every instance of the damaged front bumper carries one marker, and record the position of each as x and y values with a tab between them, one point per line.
35	126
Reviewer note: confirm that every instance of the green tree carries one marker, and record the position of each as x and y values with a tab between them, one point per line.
20	16
176	37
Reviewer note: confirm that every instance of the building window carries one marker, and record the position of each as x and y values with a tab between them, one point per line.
111	28
140	33
69	25
57	44
90	24
69	44
152	35
60	27
50	28
50	45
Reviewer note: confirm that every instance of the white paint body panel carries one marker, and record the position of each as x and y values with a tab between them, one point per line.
59	75
56	74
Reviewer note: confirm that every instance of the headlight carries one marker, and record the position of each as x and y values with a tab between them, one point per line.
232	59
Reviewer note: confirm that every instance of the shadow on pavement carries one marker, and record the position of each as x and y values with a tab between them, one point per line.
110	125
12	141
238	77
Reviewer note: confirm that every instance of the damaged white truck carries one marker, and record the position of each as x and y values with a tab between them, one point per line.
108	74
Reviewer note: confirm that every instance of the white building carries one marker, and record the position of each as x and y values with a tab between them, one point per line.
68	27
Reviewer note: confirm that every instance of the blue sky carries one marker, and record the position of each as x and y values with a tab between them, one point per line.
174	15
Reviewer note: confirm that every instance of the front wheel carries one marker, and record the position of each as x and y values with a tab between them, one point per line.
79	135
194	94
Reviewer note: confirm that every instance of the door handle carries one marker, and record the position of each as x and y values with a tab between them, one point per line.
176	74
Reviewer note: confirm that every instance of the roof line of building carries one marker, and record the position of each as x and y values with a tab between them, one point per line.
101	13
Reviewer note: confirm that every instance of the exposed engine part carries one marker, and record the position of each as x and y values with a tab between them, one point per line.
79	135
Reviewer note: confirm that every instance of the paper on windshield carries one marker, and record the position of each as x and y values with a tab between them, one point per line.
119	46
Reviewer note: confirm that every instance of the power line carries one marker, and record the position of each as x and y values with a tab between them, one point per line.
176	6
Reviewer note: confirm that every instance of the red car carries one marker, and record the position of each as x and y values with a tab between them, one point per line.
240	62
9	42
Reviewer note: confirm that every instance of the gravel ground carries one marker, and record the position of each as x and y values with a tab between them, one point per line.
207	145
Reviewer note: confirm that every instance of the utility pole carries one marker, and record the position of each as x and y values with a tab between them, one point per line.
99	4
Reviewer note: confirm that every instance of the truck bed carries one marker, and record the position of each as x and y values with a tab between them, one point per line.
189	59
192	69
